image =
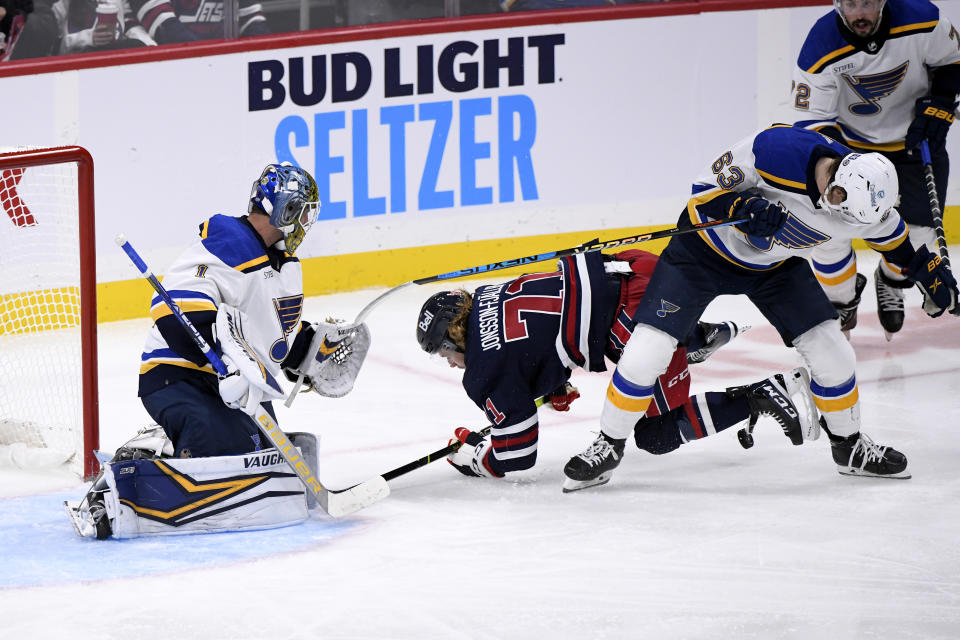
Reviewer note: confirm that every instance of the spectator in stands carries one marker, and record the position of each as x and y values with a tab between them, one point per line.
13	14
78	26
171	21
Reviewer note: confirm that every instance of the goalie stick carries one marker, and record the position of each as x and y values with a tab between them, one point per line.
334	503
592	245
935	209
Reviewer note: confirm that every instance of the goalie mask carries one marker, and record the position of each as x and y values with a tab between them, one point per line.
871	186
289	195
435	317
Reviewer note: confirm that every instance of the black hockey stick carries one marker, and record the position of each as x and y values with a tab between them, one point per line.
593	245
935	209
335	503
453	447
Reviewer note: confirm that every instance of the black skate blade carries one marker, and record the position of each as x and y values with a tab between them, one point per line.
570	485
860	473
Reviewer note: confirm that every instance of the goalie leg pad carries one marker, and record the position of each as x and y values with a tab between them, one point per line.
202	495
309	444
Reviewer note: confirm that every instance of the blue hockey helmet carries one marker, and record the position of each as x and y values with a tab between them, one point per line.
289	195
434	319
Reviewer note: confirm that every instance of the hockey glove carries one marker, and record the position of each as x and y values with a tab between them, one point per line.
334	357
561	397
936	281
236	390
765	218
471	458
933	117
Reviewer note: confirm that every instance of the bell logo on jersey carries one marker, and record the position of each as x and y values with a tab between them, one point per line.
873	87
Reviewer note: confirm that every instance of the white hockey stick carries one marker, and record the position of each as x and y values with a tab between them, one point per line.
335	503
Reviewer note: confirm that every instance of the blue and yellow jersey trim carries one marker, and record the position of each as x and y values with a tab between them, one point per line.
785	184
891	241
835	273
838	398
151	359
188	301
236	244
626	396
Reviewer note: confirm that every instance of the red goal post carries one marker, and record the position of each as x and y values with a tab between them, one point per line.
48	307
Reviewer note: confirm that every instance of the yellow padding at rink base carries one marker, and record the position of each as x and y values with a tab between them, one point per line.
123	300
39	310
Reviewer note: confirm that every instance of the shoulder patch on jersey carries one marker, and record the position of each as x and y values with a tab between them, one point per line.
234	243
824	45
782	154
912	16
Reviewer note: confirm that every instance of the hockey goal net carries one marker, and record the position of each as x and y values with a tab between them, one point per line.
48	316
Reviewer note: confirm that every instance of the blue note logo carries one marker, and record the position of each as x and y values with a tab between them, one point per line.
871	88
666	307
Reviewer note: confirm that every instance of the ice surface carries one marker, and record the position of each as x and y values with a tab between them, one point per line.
710	541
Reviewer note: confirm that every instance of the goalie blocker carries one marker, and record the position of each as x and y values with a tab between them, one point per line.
142	493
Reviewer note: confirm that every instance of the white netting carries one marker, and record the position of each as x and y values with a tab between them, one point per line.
40	345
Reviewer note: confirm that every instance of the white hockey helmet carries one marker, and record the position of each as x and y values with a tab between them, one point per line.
840	5
870	182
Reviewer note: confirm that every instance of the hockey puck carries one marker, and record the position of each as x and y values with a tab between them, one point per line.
745	438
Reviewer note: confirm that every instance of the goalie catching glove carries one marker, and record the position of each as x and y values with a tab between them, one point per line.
333	359
471	458
248	382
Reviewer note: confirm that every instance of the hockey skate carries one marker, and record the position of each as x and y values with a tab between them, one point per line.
848	310
594	466
786	398
89	516
715	336
858	455
890	295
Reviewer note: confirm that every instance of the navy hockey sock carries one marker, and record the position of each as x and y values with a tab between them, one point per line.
701	416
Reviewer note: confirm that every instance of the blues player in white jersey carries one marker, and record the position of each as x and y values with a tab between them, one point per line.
881	76
207	467
800	190
520	340
249	264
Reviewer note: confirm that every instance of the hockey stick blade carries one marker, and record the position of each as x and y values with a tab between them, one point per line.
346	501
